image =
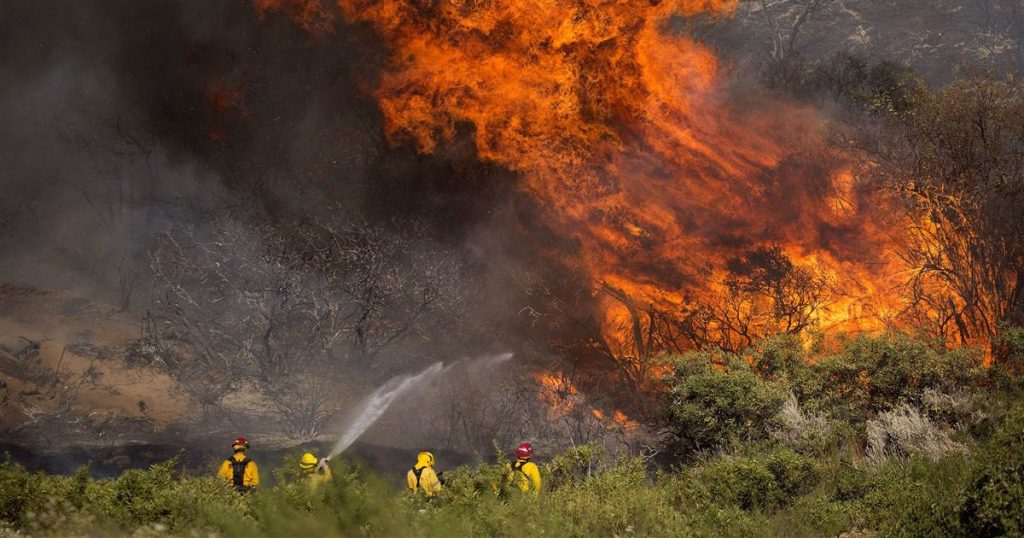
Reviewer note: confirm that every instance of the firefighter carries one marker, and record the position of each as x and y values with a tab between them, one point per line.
422	478
525	474
239	471
314	471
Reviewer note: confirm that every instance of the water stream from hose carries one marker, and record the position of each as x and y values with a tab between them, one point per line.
371	408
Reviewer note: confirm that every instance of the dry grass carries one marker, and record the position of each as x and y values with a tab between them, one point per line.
904	432
801	430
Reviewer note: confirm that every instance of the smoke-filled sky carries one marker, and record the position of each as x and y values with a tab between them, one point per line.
125	115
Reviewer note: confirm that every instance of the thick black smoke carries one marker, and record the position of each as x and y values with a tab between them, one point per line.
126	120
130	115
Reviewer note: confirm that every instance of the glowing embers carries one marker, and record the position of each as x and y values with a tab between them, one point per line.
557	392
562	398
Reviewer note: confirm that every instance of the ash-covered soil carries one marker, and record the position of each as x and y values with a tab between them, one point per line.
76	389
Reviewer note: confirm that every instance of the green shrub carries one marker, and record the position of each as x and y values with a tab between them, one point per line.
137	498
709	407
918	498
814	516
764	482
574	465
779	358
993	503
794	474
850	483
19	493
1008	359
874	374
469	485
162	495
757	494
906	498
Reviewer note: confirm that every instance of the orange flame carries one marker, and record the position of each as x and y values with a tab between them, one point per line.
623	421
557	392
621	130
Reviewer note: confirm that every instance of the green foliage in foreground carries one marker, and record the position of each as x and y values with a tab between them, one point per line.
767	492
887	436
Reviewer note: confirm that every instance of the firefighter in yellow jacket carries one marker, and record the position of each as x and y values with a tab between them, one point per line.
314	471
239	471
525	474
422	478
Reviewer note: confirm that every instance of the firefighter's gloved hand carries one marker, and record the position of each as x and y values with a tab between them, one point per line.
323	463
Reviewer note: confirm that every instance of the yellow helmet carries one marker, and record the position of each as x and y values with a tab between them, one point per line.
425	459
308	461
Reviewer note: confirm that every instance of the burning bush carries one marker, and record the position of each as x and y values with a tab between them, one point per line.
952	161
763	294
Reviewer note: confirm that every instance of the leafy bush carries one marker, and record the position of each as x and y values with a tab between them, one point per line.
19	493
757	494
786	473
575	465
710	406
876	374
993	502
1009	356
762	482
157	495
780	357
915	498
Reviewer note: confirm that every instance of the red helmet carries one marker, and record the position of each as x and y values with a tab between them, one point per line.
240	441
524	451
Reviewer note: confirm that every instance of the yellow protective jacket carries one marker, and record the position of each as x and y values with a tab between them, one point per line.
250	477
525	475
427	481
315	478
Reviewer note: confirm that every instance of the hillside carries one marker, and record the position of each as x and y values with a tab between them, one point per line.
942	39
66	362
